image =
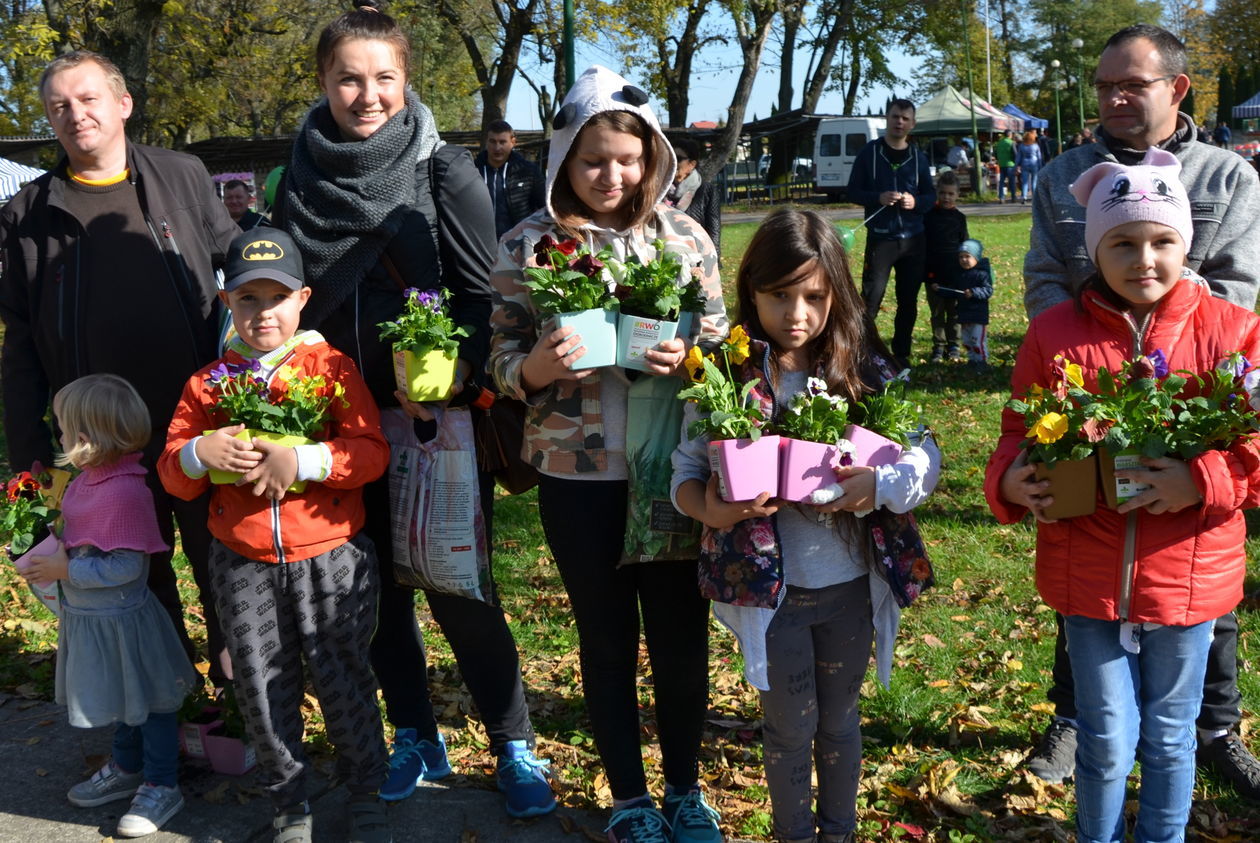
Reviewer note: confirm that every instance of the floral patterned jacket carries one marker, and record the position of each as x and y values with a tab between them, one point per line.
743	564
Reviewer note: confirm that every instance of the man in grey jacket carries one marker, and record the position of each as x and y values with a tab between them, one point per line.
1141	79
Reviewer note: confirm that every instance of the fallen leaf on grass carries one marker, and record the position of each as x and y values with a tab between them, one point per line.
912	831
468	836
217	795
932	641
41	772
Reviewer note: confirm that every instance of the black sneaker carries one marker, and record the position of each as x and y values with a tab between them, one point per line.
938	356
1055	758
639	822
1229	756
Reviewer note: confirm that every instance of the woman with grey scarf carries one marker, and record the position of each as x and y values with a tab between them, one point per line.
378	203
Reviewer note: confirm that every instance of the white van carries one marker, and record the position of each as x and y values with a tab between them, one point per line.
836	145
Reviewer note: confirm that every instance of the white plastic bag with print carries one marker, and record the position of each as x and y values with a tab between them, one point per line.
439	530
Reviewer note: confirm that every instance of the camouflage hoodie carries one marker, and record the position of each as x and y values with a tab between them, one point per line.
564	425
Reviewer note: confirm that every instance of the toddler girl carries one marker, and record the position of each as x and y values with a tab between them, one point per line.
806	647
119	660
1139	586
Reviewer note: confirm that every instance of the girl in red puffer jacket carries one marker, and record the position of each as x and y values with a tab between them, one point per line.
1140	585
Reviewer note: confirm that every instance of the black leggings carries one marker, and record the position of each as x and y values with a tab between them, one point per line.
584	521
477	632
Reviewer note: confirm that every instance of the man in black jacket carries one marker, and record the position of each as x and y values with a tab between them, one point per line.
515	184
108	265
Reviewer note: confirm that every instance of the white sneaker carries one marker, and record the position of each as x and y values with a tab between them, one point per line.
150	809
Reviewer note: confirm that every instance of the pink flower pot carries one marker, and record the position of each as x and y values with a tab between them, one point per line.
745	468
805	468
192	734
870	448
229	756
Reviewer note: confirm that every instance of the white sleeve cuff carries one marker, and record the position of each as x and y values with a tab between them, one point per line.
906	483
314	462
189	461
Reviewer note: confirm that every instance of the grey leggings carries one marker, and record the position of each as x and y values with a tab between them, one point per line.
818	647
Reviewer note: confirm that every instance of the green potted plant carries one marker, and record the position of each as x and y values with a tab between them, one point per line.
426	350
651	303
568	283
294	411
1058	443
745	461
213	729
812	441
27	518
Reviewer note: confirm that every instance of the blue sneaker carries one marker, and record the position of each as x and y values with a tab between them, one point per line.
638	822
691	818
411	761
523	780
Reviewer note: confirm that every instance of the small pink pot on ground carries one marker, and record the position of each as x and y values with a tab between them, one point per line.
745	468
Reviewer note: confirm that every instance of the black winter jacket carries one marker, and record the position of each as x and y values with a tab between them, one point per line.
46	303
446	240
523	184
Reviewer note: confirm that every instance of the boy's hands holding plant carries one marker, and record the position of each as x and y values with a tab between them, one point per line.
275	473
221	451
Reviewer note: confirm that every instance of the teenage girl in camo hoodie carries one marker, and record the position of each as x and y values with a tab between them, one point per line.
609	168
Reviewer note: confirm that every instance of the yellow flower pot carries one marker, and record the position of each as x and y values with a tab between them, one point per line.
227	478
424	377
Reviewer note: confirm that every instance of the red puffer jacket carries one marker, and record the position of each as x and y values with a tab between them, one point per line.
1186	567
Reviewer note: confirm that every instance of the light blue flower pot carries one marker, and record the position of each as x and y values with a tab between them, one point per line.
598	330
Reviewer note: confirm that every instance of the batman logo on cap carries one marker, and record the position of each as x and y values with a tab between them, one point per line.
262	250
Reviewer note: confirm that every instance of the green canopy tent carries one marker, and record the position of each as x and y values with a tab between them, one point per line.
949	113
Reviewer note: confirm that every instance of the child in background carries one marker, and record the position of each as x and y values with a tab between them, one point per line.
294	579
807	652
119	659
610	167
1141	585
970	292
945	228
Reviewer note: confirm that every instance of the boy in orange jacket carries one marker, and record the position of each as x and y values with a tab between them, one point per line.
292	576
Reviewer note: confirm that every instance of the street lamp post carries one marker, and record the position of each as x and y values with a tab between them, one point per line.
1058	115
1078	45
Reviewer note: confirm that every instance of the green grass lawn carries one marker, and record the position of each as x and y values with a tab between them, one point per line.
944	744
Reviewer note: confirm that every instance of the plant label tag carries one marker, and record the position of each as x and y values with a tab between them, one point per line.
645	334
715	466
1125	488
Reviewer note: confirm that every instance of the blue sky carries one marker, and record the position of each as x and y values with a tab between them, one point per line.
711	89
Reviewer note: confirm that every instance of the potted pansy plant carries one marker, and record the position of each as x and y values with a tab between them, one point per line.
28	515
293	409
650	296
426	348
570	284
745	461
1060	442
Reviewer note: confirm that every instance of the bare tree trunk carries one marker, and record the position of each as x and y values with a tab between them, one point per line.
838	19
494	78
753	19
124	36
674	61
855	80
793	17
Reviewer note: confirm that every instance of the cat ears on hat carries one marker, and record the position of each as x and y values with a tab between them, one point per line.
1088	180
629	94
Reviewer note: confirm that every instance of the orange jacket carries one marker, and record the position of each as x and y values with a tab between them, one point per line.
299	526
1185	567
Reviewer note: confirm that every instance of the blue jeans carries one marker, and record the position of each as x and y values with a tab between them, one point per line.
1030	180
1128	703
1006	182
151	747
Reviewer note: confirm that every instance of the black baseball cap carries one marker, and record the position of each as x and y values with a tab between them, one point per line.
263	253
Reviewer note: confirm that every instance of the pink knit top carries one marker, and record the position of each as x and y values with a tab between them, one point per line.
111	508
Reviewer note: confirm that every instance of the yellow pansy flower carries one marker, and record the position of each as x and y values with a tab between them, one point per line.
1049	428
694	362
1072	371
737	345
288	374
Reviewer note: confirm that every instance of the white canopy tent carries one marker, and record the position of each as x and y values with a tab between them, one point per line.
13	175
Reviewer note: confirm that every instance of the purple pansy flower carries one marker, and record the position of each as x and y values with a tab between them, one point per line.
1160	362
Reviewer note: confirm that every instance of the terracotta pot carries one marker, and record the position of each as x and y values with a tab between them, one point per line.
1074	486
745	468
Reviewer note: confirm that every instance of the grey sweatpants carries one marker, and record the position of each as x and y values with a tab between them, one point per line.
817	647
322	611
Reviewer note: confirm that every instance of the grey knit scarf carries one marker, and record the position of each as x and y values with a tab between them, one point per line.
346	199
